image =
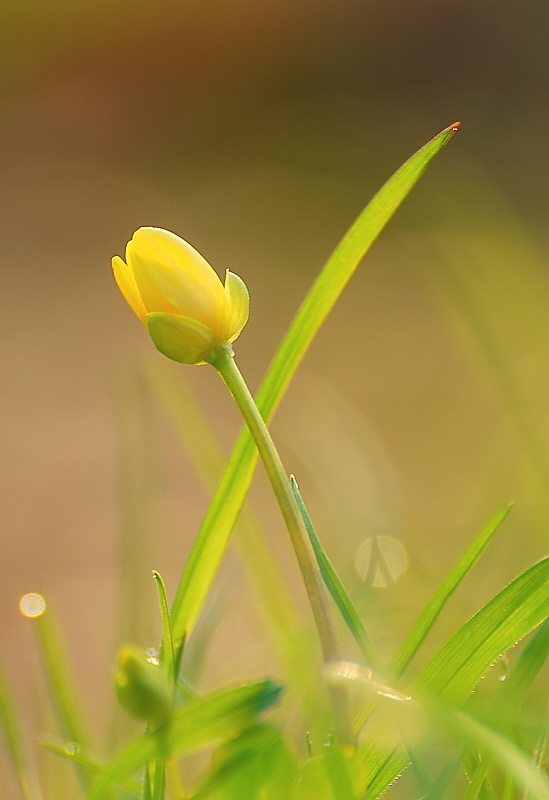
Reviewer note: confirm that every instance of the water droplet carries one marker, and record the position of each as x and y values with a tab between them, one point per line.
502	666
381	560
32	605
329	740
153	654
72	748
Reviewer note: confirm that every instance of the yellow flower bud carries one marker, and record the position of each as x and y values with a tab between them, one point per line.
177	295
142	688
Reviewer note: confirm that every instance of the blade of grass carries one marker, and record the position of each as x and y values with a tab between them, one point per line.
62	685
335	586
483	323
476	767
542	746
428	617
477	781
529	664
168	654
15	744
259	763
457	667
508	617
223	511
159	784
196	652
336	774
91	762
146	791
192	728
508	701
169	662
503	751
138	524
441	783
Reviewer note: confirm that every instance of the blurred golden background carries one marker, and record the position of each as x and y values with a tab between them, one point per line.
258	131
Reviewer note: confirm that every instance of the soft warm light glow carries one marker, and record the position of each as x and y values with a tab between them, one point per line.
32	605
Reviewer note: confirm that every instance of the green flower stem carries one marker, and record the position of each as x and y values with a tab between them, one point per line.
223	361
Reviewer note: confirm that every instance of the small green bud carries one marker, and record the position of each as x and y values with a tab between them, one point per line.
142	688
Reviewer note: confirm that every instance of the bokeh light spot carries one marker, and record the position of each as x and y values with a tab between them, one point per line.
381	560
32	605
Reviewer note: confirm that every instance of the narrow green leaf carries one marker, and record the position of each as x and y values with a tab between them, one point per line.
476	782
259	763
61	684
168	653
85	759
139	524
76	755
337	774
476	767
502	751
458	666
193	727
529	663
159	779
146	791
428	617
440	784
519	608
223	511
15	743
335	586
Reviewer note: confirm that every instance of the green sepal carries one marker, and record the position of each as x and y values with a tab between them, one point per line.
180	338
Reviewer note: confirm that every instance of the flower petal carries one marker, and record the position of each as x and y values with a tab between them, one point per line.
238	301
127	285
173	276
180	338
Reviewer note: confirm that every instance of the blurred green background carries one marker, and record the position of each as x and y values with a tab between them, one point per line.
258	131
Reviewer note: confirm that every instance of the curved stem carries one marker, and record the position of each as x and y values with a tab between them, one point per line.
225	365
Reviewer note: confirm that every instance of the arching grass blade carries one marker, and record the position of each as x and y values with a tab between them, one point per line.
223	511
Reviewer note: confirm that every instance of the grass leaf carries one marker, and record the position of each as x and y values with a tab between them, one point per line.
458	666
428	617
529	663
336	774
62	685
168	654
259	763
91	762
223	511
15	743
503	751
193	727
515	611
335	586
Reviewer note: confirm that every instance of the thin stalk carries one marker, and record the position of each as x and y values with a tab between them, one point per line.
223	361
